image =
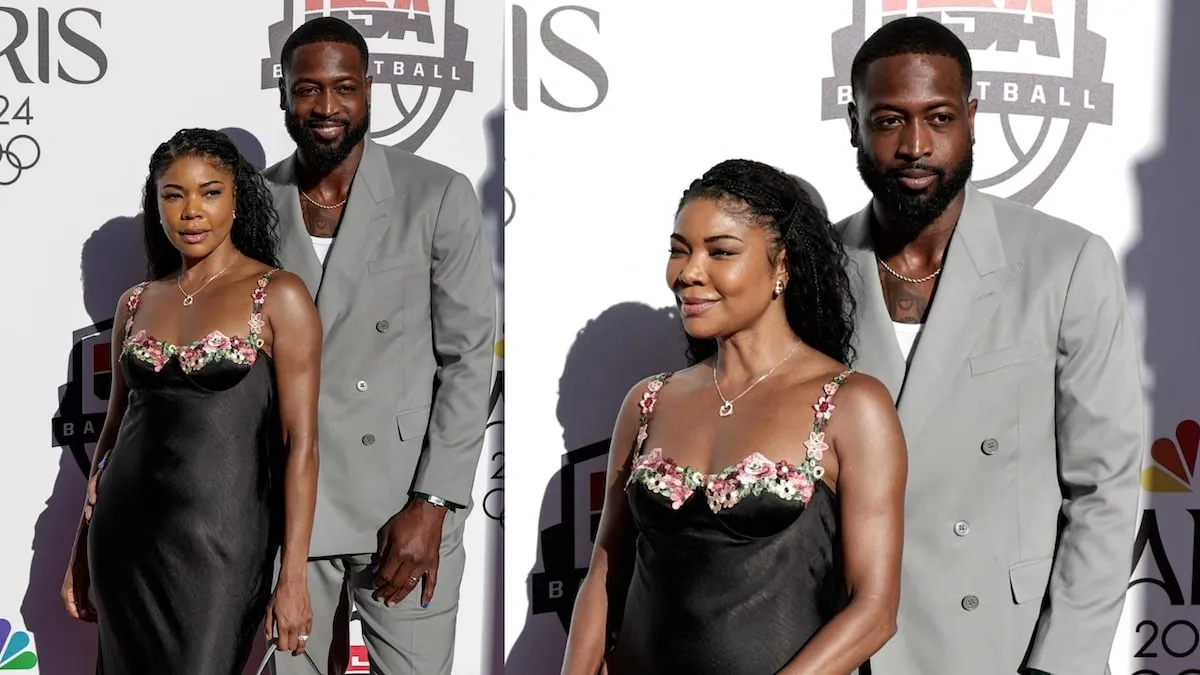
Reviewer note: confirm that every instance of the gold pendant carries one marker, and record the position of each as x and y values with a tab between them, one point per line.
726	409
187	301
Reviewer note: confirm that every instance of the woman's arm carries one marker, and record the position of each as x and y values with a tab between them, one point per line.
296	350
872	461
601	596
118	398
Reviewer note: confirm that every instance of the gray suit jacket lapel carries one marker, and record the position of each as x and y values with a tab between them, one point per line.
876	350
360	231
974	276
295	248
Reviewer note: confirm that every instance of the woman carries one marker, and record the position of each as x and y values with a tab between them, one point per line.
213	406
751	524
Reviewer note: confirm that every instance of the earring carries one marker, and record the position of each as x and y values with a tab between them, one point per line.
235	215
778	288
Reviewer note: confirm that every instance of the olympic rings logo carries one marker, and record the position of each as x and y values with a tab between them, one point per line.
22	152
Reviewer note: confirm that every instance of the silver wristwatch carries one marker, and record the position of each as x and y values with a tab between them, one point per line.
434	499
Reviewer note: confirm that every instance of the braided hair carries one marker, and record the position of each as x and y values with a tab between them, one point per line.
255	231
817	297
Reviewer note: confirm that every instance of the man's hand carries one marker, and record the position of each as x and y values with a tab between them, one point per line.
409	549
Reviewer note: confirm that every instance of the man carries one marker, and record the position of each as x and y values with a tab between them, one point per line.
1004	335
392	248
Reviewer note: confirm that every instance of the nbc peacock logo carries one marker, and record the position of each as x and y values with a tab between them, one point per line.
1174	460
15	651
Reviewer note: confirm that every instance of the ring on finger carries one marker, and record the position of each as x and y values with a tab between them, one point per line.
302	638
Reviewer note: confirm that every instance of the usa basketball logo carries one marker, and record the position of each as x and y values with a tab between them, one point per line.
418	60
83	400
566	546
1038	78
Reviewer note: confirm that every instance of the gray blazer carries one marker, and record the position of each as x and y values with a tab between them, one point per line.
408	308
1023	411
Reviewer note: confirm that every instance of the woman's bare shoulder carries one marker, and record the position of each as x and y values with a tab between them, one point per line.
863	398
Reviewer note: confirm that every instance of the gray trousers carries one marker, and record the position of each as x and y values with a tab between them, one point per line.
402	640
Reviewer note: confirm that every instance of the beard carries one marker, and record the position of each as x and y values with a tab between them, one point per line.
913	212
322	157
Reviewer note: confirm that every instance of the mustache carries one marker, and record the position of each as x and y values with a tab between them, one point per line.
915	166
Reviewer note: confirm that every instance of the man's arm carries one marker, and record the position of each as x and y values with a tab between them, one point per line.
463	299
1099	415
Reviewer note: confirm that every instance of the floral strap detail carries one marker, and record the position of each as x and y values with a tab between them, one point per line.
259	298
131	305
823	410
646	406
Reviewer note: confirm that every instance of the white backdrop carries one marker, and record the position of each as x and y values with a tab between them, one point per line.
663	90
87	93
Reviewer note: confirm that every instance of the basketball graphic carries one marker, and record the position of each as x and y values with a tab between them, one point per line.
1038	76
418	60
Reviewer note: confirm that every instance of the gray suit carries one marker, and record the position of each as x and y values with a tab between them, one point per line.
1023	412
408	309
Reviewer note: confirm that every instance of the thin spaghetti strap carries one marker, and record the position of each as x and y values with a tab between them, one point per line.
131	306
646	409
258	299
824	406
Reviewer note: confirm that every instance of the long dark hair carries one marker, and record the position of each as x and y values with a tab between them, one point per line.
817	298
255	230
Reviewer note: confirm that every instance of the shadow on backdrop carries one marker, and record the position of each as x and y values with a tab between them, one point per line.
492	204
492	196
113	259
624	344
1162	266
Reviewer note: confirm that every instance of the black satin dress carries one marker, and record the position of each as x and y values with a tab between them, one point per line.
186	524
724	588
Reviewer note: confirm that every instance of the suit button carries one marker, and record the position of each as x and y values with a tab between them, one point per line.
361	386
382	326
962	528
368	440
990	446
970	602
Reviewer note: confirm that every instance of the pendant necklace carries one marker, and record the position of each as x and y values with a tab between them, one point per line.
727	403
188	298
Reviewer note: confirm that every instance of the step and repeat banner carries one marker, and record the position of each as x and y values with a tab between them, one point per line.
613	108
88	89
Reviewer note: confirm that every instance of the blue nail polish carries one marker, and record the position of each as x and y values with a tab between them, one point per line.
424	605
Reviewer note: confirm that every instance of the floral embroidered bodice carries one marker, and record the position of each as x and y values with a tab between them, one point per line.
752	476
212	348
738	581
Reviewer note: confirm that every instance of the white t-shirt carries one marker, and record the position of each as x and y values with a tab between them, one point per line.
321	245
907	335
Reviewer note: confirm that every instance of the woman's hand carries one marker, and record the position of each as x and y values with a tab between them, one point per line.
77	585
289	616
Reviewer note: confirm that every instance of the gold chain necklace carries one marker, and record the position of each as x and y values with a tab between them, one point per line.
320	205
910	280
188	298
727	403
